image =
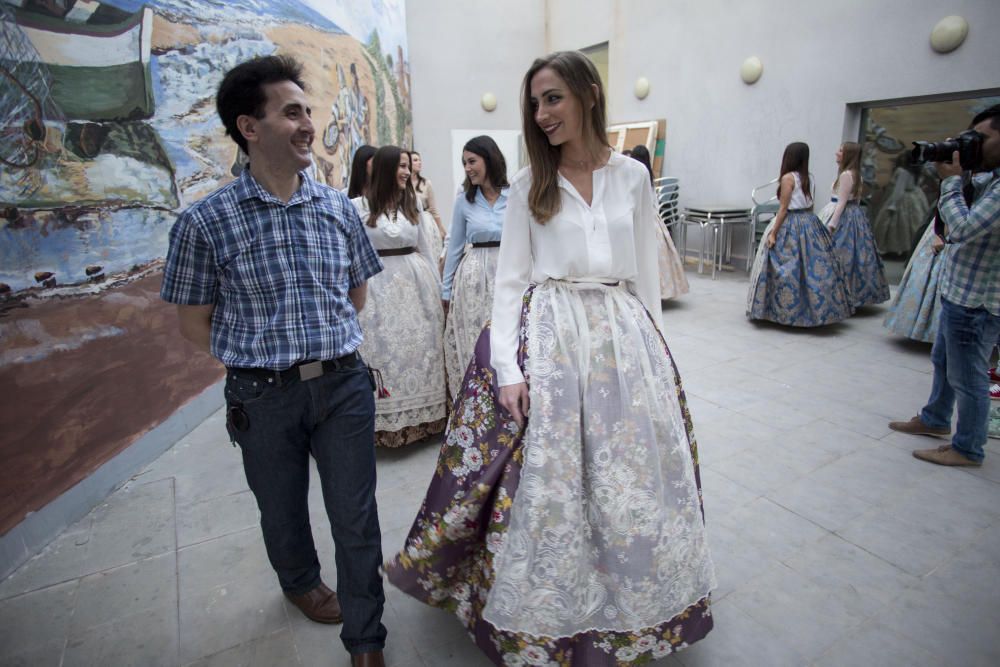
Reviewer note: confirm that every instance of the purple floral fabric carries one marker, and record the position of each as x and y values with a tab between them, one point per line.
448	558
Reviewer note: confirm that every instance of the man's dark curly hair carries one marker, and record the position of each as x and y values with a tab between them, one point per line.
241	92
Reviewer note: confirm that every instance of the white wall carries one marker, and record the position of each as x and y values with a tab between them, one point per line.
723	137
457	52
572	24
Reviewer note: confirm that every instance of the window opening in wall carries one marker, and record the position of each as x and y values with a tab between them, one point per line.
900	194
598	55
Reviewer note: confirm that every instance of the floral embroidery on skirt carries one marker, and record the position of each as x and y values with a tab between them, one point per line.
551	558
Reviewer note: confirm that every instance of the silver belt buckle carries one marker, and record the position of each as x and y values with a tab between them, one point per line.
310	371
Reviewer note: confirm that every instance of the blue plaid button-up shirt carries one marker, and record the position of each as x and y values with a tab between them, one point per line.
970	275
278	273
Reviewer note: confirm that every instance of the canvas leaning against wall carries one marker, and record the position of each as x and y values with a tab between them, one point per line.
107	131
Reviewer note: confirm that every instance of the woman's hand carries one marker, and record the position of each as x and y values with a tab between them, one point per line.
514	399
772	238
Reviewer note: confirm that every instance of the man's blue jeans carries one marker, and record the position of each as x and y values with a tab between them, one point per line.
961	356
332	418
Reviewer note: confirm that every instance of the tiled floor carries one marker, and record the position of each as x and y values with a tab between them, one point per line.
833	545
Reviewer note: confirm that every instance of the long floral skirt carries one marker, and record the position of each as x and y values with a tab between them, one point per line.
673	282
855	248
799	282
403	326
579	540
915	309
471	306
431	232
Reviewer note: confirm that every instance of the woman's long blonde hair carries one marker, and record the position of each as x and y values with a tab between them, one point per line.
851	161
581	78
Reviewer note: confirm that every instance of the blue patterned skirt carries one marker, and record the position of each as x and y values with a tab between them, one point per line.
799	282
854	244
915	309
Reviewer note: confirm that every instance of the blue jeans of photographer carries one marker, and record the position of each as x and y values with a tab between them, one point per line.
332	419
961	356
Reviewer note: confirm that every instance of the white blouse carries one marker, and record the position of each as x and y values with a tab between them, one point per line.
613	239
389	234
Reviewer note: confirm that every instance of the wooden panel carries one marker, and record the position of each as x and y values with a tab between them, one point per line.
652	134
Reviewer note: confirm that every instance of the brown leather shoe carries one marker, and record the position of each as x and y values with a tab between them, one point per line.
946	455
916	426
320	604
372	659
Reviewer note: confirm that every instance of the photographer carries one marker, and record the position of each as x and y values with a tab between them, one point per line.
970	297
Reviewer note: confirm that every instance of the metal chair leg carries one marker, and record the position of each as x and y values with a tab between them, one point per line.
716	249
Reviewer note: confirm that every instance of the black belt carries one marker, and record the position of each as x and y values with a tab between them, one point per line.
800	210
391	252
306	370
486	244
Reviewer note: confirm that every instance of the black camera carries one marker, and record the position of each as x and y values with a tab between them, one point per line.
969	145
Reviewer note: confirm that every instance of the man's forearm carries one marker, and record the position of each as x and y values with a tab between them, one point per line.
196	325
358	295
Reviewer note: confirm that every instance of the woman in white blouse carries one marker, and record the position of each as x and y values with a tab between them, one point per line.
402	320
429	218
566	528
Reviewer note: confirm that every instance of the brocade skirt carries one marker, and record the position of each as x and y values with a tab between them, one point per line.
915	309
855	247
799	282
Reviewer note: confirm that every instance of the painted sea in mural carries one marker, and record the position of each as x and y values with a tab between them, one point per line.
107	131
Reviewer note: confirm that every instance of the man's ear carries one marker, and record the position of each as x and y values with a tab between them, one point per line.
247	125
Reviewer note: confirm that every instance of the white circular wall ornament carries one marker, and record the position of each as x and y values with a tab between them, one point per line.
488	101
641	87
949	33
751	69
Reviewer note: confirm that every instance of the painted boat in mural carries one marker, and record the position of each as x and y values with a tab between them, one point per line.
97	56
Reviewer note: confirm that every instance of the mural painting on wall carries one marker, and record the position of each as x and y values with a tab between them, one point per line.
107	131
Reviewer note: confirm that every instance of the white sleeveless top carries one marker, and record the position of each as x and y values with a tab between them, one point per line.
799	198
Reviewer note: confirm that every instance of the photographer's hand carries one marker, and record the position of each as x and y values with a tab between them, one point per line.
937	244
946	169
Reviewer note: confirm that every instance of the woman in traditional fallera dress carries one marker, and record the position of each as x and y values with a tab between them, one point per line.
673	282
429	218
903	211
473	244
915	309
853	241
797	279
402	319
573	536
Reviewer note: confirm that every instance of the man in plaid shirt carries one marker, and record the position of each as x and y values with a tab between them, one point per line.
969	288
269	274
